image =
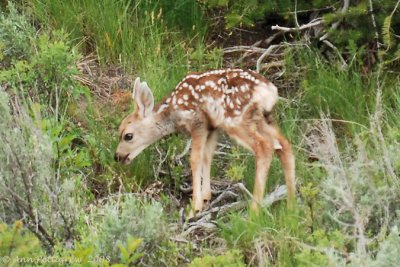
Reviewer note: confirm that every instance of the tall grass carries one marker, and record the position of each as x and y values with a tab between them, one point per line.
154	39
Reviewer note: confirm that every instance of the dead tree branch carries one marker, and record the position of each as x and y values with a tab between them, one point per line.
313	23
329	44
264	55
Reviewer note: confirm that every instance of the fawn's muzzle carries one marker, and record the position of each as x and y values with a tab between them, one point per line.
119	158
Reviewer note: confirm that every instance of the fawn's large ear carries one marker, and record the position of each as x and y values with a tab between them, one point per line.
143	98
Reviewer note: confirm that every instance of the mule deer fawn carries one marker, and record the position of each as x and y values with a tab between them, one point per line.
235	101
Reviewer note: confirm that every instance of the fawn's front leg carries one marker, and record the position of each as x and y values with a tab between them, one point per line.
199	138
207	159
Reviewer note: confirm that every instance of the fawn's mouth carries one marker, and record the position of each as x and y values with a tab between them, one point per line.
131	156
127	160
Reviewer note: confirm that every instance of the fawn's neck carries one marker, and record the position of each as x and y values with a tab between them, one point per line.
164	123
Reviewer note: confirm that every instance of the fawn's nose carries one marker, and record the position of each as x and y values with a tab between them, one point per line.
117	157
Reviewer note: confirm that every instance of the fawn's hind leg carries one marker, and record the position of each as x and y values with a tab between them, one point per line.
262	148
286	156
284	151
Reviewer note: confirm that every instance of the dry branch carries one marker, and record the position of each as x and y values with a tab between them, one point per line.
344	63
264	55
243	48
311	24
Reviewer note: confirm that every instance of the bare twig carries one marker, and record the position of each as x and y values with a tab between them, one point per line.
278	194
272	48
264	55
344	63
161	161
225	195
295	15
244	189
243	48
313	23
273	64
371	11
270	39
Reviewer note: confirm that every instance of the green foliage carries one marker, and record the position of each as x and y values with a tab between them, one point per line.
86	255
16	34
258	235
184	15
231	258
237	166
46	75
18	245
391	46
247	13
324	245
389	250
125	26
132	217
30	188
128	253
355	193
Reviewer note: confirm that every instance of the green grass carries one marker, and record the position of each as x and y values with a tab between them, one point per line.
275	228
139	35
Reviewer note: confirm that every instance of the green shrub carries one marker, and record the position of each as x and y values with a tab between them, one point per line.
357	191
389	250
131	217
16	34
47	74
30	188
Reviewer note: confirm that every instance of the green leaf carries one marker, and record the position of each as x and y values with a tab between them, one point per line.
66	141
223	3
133	244
232	20
135	257
124	253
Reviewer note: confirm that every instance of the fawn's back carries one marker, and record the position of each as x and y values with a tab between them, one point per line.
223	95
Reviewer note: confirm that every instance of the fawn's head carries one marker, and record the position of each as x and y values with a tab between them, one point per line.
138	130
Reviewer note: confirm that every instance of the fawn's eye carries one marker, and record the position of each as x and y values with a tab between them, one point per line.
128	136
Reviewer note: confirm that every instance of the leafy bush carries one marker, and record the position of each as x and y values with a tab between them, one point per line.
46	75
389	250
29	187
16	34
360	194
131	217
